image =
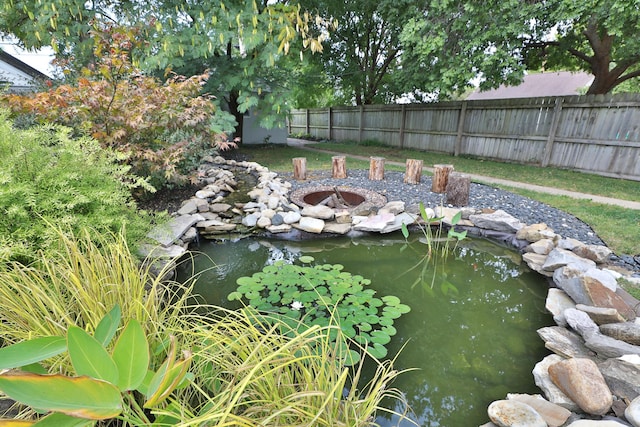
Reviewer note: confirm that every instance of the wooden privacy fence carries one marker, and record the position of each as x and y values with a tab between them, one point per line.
596	134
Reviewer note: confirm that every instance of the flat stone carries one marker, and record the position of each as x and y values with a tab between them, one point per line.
343	217
219	207
336	228
404	218
311	225
542	246
275	229
205	194
160	252
564	342
375	223
498	221
535	232
622	376
596	423
606	278
601	315
250	220
550	390
556	303
583	383
291	217
632	413
554	415
607	347
581	322
560	257
273	202
589	291
166	234
597	253
263	222
628	332
318	211
447	215
364	209
535	262
268	213
218	228
395	208
511	413
569	243
190	207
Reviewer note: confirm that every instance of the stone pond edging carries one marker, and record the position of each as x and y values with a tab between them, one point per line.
593	376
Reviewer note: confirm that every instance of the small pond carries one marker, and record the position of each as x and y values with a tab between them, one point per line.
472	327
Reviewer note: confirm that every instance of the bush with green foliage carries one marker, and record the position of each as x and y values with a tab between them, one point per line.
323	295
48	178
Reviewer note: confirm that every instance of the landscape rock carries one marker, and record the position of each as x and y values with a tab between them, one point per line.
395	208
535	262
512	413
554	415
498	221
564	342
542	246
291	217
250	220
589	291
597	253
556	303
607	347
560	257
601	315
597	423
632	413
263	222
581	322
310	225
166	234
336	228
219	207
282	228
375	223
569	243
318	211
583	383
404	218
621	374
550	390
628	332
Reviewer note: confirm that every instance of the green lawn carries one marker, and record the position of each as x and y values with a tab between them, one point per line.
618	227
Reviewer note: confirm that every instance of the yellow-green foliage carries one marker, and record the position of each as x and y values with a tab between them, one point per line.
245	373
47	177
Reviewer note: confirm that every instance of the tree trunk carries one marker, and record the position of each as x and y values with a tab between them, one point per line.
300	168
339	167
413	172
232	102
440	177
458	186
376	168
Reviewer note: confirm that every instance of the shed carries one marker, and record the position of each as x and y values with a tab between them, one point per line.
20	76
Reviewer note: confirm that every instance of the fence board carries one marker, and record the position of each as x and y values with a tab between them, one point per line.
597	134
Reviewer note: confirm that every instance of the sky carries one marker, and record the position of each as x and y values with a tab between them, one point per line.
40	60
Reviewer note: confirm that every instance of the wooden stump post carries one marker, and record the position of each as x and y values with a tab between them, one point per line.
413	174
458	189
300	168
339	168
376	168
440	177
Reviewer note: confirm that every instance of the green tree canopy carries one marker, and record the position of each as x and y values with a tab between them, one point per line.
240	42
454	41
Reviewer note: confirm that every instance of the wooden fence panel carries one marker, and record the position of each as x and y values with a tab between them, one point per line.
597	134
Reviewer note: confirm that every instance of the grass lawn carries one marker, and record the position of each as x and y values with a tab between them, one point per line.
618	227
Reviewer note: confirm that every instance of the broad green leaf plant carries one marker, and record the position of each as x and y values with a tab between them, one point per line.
111	381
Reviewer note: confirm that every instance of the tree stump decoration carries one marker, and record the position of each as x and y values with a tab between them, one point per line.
458	189
376	168
413	172
440	177
300	168
339	167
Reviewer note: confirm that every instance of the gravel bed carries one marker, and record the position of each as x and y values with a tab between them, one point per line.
480	196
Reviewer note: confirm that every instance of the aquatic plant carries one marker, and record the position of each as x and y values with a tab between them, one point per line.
316	294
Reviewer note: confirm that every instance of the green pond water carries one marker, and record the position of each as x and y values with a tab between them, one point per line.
472	327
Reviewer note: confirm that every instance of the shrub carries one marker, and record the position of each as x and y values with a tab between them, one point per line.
48	177
152	124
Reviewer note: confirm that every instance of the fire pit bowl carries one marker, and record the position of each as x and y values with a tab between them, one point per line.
347	196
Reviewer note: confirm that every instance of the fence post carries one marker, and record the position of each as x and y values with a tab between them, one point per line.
402	119
306	122
458	146
361	125
555	120
329	124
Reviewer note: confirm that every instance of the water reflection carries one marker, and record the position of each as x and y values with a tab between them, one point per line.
471	345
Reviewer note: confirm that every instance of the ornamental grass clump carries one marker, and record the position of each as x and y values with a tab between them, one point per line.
243	369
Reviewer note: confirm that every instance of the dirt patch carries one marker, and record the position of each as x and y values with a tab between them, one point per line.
167	199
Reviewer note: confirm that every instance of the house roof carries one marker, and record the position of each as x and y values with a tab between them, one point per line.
561	83
20	75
